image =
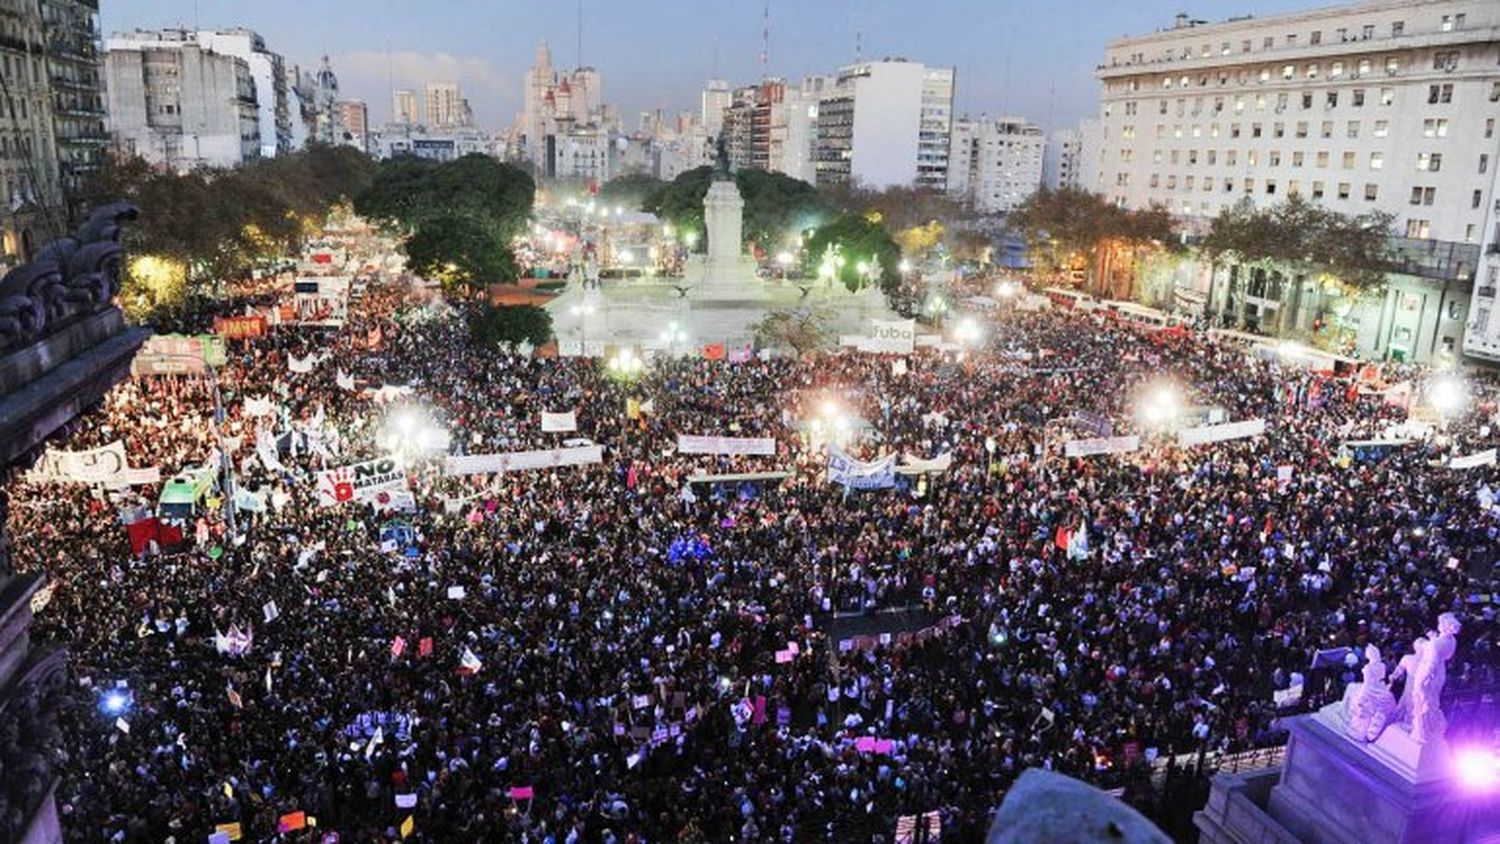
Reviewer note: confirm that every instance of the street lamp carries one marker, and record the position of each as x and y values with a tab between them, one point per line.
582	311
968	332
1005	289
672	336
691	239
1447	395
1160	407
626	364
785	259
904	266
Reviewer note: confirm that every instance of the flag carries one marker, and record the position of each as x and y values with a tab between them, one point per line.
406	801
424	646
270	611
469	663
268	679
234	699
407	826
291	822
122	725
344	380
1063	537
375	741
1078	543
398	646
522	792
232	830
632	408
648	406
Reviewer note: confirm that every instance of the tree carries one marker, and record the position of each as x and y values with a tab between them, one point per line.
860	243
637	191
460	250
801	329
406	190
1071	228
512	325
1296	240
776	205
899	207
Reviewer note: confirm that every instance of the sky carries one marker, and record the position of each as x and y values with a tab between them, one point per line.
1032	58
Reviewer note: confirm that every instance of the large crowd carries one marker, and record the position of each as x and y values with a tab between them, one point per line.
661	660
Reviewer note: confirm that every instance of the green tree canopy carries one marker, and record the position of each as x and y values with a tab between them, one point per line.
1298	233
1073	227
460	250
407	190
857	240
636	191
776	205
512	325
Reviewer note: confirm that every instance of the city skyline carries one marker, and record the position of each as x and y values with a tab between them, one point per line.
1007	60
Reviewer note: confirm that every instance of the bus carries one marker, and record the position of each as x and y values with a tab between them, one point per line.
182	496
1063	297
1141	316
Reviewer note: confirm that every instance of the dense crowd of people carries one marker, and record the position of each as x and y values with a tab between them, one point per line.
662	660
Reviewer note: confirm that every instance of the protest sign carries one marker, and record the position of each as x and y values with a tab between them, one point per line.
1206	434
1474	461
559	422
1101	445
897	336
361	482
861	474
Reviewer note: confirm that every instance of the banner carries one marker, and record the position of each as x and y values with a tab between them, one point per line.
241	327
179	354
895	336
914	465
1473	461
259	407
518	461
559	422
101	465
362	482
1220	433
1102	445
690	444
860	474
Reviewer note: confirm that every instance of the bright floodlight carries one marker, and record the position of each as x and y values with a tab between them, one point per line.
406	422
967	331
1478	769
114	702
830	409
626	256
1161	405
785	259
904	266
1005	289
1447	394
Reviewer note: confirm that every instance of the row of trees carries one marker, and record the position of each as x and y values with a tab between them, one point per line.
460	217
212	224
1070	230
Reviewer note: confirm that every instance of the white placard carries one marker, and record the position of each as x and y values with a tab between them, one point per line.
517	461
690	444
1221	433
362	482
559	423
1101	445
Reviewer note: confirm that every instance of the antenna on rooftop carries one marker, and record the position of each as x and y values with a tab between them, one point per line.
580	33
765	41
859	50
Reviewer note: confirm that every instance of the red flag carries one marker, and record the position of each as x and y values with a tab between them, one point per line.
1062	538
424	646
398	646
292	822
714	351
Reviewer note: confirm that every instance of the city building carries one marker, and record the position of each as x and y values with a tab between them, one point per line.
352	124
716	99
995	164
181	105
313	96
435	144
444	105
1379	106
564	116
51	119
76	78
404	107
886	123
771	127
1061	159
273	102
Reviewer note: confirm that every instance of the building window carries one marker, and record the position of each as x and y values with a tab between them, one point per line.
1398	28
1332	100
1353	130
1307	99
1326	130
1288	71
1297	158
1423	196
1301	129
1343	190
1477	200
1445	60
1377	160
1317	190
1278	130
1322	159
1430	162
1382	128
1484	165
1387	96
1452	22
1371	191
1347	161
1357	97
1419	229
1270	187
1392	65
1440	93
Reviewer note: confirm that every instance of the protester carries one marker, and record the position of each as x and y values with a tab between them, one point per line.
633	632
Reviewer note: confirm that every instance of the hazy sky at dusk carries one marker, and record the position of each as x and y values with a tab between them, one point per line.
1028	57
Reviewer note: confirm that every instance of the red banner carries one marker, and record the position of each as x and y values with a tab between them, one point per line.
714	351
240	327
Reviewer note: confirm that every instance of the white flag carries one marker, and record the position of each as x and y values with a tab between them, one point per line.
374	740
259	407
345	380
271	612
469	663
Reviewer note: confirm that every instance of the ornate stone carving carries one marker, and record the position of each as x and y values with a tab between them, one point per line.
1427	720
29	741
70	277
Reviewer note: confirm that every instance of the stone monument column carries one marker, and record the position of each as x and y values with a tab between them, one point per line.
723	216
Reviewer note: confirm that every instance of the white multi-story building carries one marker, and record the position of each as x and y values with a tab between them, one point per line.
404	106
771	126
444	105
1388	105
562	112
181	105
716	99
1061	160
268	69
886	123
352	124
995	165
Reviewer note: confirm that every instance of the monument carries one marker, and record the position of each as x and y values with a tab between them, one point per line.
1365	770
63	345
719	299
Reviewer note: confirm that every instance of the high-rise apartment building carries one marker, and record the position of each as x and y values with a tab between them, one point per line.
404	107
181	105
268	69
51	119
886	123
352	124
1379	106
715	100
563	120
995	165
444	105
1062	159
771	127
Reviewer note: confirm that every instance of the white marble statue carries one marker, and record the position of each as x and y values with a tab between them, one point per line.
1427	721
1369	705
